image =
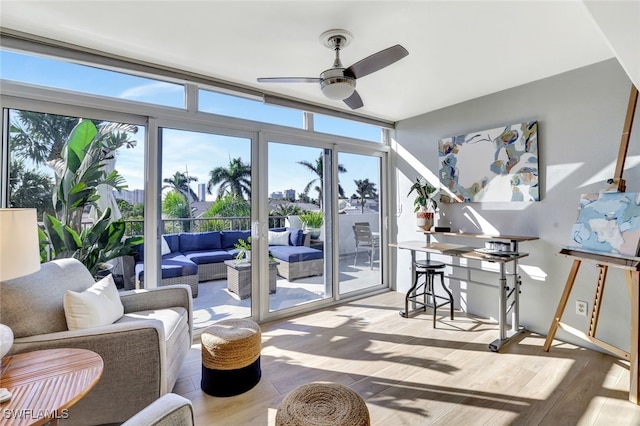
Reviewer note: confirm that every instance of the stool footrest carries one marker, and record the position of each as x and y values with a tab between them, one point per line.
230	382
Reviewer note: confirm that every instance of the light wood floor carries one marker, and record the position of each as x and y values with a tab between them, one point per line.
410	374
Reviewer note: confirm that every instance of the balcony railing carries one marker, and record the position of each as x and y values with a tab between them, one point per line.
177	225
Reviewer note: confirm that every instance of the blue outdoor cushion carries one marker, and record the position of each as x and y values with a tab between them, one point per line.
211	256
195	241
230	238
172	241
173	265
293	254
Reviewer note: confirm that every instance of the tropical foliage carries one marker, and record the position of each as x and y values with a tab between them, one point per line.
40	137
317	183
365	189
234	180
229	206
176	206
287	209
179	182
29	188
312	219
79	172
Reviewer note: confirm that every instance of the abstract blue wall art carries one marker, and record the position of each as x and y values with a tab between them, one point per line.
609	222
500	164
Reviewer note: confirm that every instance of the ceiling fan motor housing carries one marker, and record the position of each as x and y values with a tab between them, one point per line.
336	85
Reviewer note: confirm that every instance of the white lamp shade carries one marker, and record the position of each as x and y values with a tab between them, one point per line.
6	340
19	248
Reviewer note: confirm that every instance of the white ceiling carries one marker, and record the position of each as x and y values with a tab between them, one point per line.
457	50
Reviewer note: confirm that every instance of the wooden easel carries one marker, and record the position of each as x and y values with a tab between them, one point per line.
631	266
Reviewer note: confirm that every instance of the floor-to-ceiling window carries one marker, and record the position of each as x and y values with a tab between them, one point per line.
179	174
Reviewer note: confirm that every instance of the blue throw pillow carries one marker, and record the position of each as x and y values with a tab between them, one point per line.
296	236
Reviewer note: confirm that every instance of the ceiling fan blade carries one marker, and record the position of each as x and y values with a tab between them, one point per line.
290	80
377	61
354	101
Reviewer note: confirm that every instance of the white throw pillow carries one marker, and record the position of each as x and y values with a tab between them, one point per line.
165	247
278	238
98	305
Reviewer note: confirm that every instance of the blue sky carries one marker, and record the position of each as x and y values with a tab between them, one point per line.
198	153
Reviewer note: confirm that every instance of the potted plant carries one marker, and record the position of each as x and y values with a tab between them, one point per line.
244	250
425	204
312	222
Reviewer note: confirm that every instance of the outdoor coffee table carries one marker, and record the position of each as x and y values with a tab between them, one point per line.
239	277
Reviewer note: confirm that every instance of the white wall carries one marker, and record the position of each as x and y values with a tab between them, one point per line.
580	118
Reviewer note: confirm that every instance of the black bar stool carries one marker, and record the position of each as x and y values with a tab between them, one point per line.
429	270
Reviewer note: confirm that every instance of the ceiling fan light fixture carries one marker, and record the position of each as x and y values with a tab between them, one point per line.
338	88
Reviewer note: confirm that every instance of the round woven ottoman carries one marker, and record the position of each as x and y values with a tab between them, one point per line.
322	403
230	357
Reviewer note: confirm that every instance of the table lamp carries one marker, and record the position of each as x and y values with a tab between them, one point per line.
19	255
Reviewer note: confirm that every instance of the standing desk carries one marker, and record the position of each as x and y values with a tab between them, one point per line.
508	296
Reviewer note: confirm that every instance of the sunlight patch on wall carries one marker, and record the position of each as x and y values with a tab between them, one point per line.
416	164
607	172
479	222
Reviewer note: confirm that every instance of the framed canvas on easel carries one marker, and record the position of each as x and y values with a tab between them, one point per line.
607	233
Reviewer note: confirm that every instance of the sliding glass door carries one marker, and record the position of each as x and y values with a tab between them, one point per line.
299	236
359	222
206	220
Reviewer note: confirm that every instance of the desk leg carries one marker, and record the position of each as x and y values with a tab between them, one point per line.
503	308
633	281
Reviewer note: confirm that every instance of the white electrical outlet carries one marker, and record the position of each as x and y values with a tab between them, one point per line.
581	308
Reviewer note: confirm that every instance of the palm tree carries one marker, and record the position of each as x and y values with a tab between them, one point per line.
179	182
40	137
29	188
318	181
236	179
365	188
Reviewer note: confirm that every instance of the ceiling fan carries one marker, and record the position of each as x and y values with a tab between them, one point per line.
338	82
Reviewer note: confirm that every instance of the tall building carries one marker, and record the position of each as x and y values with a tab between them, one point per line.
202	191
290	194
276	195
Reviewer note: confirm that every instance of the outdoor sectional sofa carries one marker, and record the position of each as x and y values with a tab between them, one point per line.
192	257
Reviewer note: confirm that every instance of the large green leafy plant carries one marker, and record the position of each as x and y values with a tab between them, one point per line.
79	173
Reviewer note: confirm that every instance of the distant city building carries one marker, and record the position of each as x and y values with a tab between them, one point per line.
202	191
132	197
290	194
277	195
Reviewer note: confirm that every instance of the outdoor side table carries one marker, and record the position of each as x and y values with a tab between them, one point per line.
239	277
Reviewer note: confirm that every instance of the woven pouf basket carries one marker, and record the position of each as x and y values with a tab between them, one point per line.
230	357
323	403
